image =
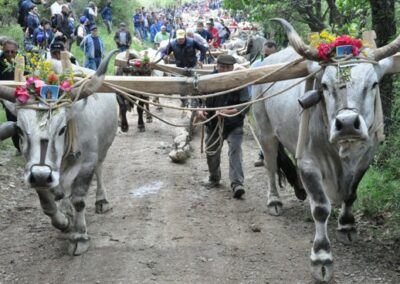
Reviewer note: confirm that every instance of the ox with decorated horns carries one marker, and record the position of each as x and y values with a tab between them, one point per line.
334	137
47	135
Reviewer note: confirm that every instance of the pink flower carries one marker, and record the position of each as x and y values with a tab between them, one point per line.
65	86
30	81
38	86
323	51
22	95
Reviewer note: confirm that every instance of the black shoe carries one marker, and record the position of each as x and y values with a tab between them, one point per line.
238	191
211	184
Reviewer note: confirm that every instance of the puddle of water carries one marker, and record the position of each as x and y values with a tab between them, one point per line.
150	188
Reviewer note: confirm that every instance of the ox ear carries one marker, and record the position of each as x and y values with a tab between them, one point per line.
383	67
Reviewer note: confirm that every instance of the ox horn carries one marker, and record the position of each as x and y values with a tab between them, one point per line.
295	40
7	93
96	81
386	50
7	129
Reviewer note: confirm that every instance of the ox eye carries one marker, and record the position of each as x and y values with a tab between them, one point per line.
324	87
62	131
374	85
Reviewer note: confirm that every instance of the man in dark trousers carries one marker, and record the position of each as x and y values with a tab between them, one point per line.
123	38
232	132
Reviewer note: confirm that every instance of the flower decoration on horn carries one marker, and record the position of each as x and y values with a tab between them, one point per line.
40	73
330	46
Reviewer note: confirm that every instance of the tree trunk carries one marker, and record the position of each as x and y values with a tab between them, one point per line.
384	24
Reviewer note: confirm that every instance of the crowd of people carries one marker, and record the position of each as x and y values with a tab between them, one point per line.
64	27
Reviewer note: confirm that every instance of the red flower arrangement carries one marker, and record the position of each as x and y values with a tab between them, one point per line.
327	50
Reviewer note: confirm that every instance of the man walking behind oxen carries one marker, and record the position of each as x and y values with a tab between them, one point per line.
232	131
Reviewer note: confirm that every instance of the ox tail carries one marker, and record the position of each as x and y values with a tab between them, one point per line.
287	169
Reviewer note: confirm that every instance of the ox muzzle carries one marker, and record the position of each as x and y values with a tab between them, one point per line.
41	174
348	126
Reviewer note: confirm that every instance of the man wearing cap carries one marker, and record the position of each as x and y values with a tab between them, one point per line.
93	47
160	36
123	38
184	50
232	132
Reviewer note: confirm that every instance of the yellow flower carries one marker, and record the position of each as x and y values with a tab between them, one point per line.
324	34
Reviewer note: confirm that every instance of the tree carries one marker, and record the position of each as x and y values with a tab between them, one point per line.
384	24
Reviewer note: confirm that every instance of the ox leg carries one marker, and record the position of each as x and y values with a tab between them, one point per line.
49	206
157	100
122	114
346	231
149	118
270	148
102	204
321	256
140	117
79	239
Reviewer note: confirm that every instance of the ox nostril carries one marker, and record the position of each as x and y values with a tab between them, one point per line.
32	179
338	125
357	123
49	179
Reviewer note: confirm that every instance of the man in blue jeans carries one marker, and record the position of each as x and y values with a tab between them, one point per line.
93	47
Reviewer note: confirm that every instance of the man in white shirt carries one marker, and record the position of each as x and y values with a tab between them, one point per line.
56	7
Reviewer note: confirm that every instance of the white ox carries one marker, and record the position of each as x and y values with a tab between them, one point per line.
56	176
341	143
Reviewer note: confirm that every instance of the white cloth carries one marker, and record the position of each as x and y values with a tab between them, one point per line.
56	8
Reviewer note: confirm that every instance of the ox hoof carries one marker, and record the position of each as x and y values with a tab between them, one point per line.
102	206
300	193
159	108
78	247
275	208
346	237
141	128
322	272
124	128
149	120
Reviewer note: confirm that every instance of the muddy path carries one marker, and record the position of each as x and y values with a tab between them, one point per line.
166	228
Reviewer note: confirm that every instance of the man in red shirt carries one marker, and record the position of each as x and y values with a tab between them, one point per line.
216	41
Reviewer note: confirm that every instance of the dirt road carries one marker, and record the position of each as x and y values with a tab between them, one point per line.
166	228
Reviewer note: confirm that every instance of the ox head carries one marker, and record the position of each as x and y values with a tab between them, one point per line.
43	133
349	93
